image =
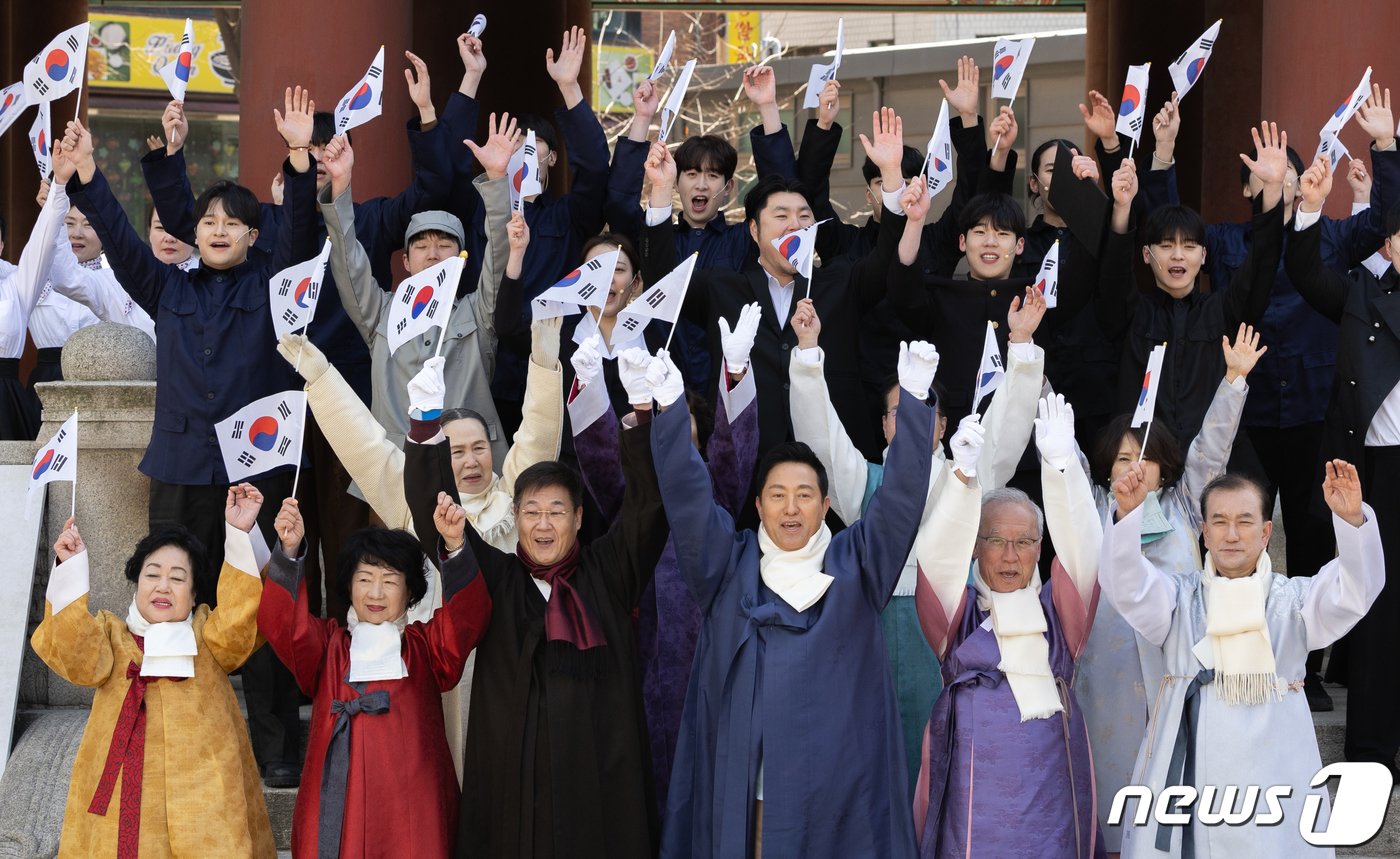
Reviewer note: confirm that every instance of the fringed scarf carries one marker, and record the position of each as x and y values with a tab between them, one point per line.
1019	624
1238	632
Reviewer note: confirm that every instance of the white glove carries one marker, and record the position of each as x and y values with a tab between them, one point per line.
918	362
967	444
302	354
544	341
632	366
427	390
667	386
1054	431
738	342
588	361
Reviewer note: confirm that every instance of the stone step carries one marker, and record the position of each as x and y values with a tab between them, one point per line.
1331	734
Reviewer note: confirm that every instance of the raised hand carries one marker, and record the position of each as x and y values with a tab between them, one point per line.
77	142
339	160
494	157
632	367
1341	488
918	364
69	542
806	324
44	183
1024	315
450	519
830	104
290	527
302	354
176	125
1315	184
646	99
964	97
760	85
277	187
1101	119
1375	116
473	63
1270	165
1084	167
1360	182
296	123
63	166
1003	131
915	200
1165	126
588	360
427	390
154	142
1243	354
420	88
736	343
887	148
661	173
565	69
242	506
666	382
966	445
518	234
1054	431
544	341
1124	184
1131	489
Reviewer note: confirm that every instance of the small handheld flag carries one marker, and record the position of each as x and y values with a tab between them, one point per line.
1188	67
1048	281
663	301
57	460
293	292
663	59
823	72
674	99
263	435
1132	110
41	142
1147	397
938	163
478	26
1331	145
1347	109
365	100
1009	61
524	172
424	301
799	249
991	371
58	69
12	103
176	72
585	286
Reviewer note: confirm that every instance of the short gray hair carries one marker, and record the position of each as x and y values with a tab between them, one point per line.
1007	495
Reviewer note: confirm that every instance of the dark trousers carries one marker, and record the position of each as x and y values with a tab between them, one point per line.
269	689
1373	674
331	515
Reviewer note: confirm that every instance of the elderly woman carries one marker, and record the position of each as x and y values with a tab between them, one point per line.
378	771
165	743
1007	752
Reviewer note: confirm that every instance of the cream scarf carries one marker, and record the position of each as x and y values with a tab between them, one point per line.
169	646
1018	622
1245	671
489	513
376	649
795	576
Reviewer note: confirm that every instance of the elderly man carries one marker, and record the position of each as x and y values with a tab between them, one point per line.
1235	639
791	727
1007	740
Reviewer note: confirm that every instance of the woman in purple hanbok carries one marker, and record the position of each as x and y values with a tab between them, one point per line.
1008	770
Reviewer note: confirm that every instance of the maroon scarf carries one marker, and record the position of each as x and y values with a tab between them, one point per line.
566	618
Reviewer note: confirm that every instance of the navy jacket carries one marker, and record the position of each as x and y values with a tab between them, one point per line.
216	350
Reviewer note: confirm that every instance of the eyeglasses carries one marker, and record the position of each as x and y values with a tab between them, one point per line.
555	517
999	544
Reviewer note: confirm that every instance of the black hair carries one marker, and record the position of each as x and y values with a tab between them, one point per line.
617	240
450	415
1054	143
150	216
549	473
1233	480
238	203
1293	158
757	198
543	128
323	128
181	538
1162	448
910	165
704	415
1166	223
706	151
1001	210
936	392
790	451
394	549
1392	220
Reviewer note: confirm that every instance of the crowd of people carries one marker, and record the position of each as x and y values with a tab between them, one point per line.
570	587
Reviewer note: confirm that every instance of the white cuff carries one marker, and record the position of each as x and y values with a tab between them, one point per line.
740	397
812	357
1390	148
657	216
238	550
1024	352
67	582
1302	220
590	404
1240	384
891	198
1358	208
262	553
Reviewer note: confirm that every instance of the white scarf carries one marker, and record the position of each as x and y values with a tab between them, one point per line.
376	649
1236	628
169	646
795	576
489	513
1018	622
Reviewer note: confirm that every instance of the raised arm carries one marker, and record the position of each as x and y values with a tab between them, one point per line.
542	423
1209	453
944	552
298	637
430	158
733	448
623	207
1011	416
587	145
1071	516
595	428
1248	296
168	180
72	642
456	628
1144	595
365	301
770	142
231	630
1322	287
1344	590
43	254
495	198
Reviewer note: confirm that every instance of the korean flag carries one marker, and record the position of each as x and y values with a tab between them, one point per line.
40	141
1132	110
938	163
663	301
263	435
585	286
1009	61
58	69
1048	281
176	72
12	103
1192	63
57	460
293	292
523	171
365	100
424	301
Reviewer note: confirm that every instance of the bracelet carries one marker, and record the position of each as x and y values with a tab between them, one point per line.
298	148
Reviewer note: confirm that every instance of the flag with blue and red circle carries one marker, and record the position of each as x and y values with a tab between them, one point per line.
1132	109
424	301
56	460
523	171
1188	67
263	435
12	103
586	286
293	292
41	142
938	163
365	100
1009	60
1147	397
1048	280
177	70
1347	109
800	249
992	370
57	69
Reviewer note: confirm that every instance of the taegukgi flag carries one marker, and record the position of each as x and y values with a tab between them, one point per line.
674	99
424	301
41	142
176	72
57	460
12	103
800	248
938	163
294	291
58	69
1187	68
1009	60
478	26
1048	280
365	100
585	286
1132	110
663	301
1347	109
823	72
1147	397
1331	145
263	435
524	172
991	371
663	59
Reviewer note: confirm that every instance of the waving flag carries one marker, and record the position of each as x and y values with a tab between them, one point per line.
478	26
12	103
57	460
823	72
424	301
1147	397
1133	108
663	59
263	435
586	285
365	100
991	371
674	99
663	301
294	292
1331	145
799	249
40	141
1188	67
58	69
1009	60
176	73
938	163
1348	108
524	172
1048	281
